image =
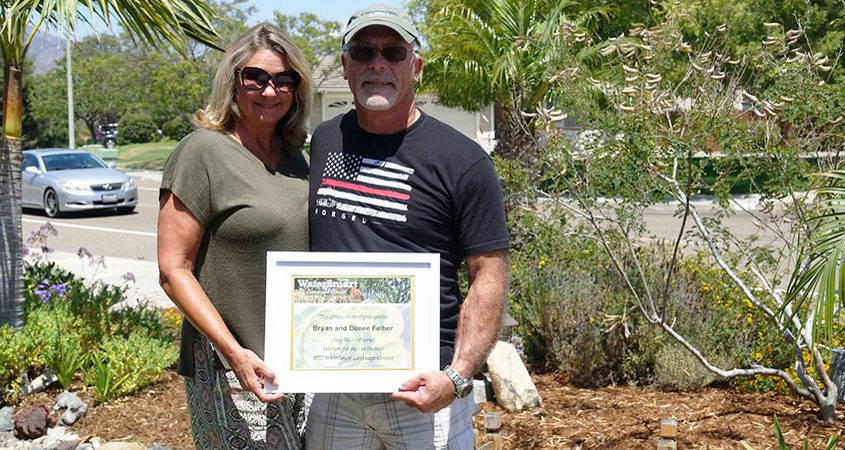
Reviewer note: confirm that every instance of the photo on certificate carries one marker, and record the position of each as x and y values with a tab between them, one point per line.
351	322
363	322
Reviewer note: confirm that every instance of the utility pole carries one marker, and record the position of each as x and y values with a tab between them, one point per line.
71	132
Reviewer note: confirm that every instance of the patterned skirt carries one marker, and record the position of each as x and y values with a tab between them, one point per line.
225	416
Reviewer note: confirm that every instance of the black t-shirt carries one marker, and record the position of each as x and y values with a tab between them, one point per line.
428	189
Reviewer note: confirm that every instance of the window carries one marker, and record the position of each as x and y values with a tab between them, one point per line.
29	161
72	161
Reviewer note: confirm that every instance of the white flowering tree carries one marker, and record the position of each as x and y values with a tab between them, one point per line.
662	112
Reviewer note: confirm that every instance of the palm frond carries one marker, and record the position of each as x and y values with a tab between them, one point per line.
819	274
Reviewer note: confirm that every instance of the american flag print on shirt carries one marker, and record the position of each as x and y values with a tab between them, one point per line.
368	187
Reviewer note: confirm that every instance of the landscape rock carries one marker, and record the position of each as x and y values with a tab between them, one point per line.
6	414
33	421
7	439
58	438
122	446
511	382
75	408
40	383
158	447
53	436
67	445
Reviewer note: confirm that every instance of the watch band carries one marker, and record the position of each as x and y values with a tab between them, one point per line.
463	386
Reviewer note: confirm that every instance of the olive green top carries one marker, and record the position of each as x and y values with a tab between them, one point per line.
246	209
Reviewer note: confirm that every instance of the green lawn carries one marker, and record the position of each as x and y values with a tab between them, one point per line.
149	156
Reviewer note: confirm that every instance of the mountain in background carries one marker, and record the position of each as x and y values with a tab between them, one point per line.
44	51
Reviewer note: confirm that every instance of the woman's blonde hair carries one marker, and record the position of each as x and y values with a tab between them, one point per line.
222	112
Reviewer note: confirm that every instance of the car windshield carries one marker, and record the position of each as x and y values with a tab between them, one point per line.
72	161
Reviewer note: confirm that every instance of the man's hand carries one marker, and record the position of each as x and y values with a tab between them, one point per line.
428	392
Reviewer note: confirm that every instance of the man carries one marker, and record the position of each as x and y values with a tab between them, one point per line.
386	177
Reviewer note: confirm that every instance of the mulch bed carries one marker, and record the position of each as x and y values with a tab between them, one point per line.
620	417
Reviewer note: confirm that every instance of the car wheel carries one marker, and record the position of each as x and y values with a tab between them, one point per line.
51	203
110	143
125	209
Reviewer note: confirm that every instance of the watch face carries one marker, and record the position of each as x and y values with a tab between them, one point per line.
464	390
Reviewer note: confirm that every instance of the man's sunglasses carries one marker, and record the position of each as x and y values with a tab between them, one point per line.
256	79
365	53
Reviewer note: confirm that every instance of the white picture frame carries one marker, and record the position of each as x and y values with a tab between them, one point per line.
351	322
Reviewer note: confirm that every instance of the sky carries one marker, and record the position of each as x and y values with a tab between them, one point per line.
337	10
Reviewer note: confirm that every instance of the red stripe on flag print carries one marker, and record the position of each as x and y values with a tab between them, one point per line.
365	189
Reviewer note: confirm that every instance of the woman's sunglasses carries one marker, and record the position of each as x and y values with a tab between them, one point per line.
256	79
364	53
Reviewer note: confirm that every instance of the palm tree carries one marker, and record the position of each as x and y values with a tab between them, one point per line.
515	53
818	281
158	22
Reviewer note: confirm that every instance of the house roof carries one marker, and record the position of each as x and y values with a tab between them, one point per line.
328	76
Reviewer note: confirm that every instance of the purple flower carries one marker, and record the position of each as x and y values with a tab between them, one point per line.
83	253
43	290
129	277
60	290
99	261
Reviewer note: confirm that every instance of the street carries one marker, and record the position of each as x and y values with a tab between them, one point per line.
107	233
127	241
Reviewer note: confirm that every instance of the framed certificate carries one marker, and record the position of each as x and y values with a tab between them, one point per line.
351	322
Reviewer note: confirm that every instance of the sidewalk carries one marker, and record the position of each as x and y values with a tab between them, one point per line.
145	287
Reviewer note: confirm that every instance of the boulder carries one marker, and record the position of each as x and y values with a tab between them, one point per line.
32	422
511	382
6	414
74	407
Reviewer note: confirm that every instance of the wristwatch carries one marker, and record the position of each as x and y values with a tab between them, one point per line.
462	386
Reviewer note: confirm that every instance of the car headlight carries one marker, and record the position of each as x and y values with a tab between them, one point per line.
74	186
127	185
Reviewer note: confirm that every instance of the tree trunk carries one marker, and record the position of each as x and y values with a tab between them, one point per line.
11	242
837	373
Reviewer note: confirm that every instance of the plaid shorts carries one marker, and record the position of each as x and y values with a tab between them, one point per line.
375	421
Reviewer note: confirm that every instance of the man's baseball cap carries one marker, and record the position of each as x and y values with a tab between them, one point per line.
378	14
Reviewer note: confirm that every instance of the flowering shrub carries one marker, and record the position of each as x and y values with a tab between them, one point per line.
64	312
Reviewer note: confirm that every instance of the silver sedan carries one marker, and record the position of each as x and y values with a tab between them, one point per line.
64	180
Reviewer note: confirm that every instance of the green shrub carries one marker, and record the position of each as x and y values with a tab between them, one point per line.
69	361
177	127
12	359
71	326
136	128
677	369
44	331
123	365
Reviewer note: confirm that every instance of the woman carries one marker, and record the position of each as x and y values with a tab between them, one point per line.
230	192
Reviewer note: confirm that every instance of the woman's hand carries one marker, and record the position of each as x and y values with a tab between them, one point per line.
252	372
